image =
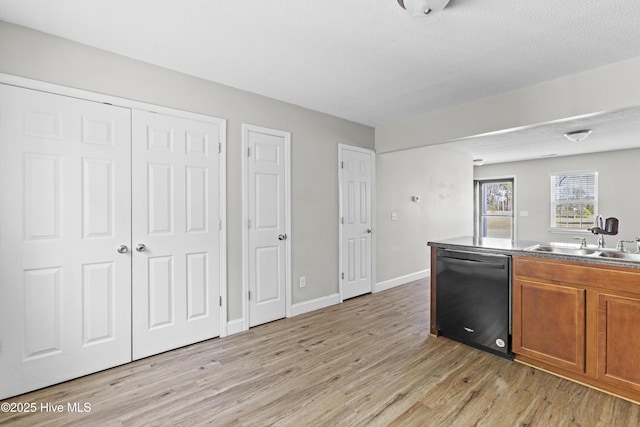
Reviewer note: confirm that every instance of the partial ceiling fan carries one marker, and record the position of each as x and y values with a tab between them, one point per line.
423	7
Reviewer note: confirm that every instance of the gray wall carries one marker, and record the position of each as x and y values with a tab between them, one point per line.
315	136
617	192
444	182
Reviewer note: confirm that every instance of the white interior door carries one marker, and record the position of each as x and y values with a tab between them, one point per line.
65	290
356	223
176	232
267	200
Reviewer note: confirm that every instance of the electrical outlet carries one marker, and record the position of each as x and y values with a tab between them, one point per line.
303	281
394	216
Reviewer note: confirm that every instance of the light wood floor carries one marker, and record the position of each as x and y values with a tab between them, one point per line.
366	362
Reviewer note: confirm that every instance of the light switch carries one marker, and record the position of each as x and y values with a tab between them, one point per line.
394	216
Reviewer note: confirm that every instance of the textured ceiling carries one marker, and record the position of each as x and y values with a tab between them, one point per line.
615	130
362	60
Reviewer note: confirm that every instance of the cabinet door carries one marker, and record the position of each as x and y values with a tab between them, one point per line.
176	203
65	290
549	323
619	341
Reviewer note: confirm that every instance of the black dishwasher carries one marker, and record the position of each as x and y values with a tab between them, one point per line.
473	299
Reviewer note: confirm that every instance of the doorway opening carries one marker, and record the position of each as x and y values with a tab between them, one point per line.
494	208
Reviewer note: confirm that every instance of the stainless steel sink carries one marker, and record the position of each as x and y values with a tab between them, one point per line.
564	250
626	256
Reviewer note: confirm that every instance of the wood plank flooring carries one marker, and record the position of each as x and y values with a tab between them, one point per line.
366	362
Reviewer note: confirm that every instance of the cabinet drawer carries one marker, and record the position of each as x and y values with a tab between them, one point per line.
587	275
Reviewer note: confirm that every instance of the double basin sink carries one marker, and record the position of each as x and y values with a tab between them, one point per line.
585	252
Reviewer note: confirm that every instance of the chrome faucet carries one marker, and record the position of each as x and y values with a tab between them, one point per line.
620	245
601	241
638	245
583	241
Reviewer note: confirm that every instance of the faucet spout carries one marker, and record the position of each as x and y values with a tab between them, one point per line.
583	241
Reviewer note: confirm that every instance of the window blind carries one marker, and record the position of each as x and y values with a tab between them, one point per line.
574	200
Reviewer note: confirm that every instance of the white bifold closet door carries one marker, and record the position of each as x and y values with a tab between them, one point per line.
109	236
176	233
65	206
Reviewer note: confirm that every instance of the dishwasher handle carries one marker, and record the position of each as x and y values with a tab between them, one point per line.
484	264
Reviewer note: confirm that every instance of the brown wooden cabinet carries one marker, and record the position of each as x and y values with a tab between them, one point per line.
581	321
619	340
549	324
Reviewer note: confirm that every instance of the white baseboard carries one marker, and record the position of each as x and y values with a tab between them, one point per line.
235	326
314	304
397	281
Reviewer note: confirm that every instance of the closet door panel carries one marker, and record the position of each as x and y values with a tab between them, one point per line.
65	180
176	286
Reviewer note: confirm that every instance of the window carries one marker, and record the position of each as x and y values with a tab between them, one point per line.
494	208
574	201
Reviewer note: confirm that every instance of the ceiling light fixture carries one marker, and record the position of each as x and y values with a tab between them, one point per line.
478	162
422	7
578	135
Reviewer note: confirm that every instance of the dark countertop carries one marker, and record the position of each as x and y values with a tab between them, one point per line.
518	247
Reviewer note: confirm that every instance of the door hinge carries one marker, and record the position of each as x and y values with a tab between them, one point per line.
219	224
219	147
248	151
249	295
341	165
341	220
342	276
220	300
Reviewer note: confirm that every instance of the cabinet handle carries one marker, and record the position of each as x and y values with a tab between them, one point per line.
141	247
123	249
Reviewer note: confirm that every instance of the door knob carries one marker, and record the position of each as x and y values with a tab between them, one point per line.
141	247
369	230
282	237
123	249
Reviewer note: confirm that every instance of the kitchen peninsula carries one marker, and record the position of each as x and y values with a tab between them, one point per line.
575	313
